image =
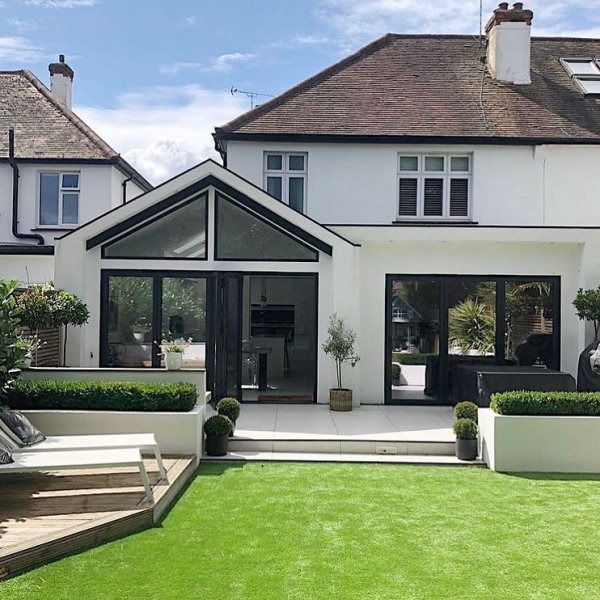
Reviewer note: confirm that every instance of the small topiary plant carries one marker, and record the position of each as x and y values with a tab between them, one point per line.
465	429
466	410
218	426
229	407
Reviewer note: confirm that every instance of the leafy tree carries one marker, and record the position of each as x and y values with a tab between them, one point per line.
340	345
43	307
12	349
587	305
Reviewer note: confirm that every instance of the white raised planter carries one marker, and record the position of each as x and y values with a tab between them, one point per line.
176	432
413	375
540	444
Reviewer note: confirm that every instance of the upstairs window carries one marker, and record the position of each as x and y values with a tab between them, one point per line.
59	199
585	73
434	186
285	178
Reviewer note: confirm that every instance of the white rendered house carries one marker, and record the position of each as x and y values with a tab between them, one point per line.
55	172
420	184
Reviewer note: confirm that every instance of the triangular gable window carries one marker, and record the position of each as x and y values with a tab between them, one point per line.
241	235
179	234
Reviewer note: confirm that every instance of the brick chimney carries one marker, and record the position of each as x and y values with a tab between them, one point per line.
61	80
509	43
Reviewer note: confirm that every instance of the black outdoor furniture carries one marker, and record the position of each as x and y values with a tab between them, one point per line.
477	383
537	348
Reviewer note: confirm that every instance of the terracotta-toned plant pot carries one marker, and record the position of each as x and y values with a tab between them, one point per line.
340	399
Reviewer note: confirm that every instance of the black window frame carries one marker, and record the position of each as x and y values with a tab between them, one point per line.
499	350
152	220
221	197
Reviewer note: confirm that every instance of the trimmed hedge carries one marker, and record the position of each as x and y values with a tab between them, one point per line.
582	404
404	358
102	395
466	410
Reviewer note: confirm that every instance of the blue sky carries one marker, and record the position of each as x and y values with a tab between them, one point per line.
153	77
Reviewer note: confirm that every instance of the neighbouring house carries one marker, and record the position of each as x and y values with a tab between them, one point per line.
56	173
424	188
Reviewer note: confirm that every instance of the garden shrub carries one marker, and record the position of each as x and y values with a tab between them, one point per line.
465	429
405	358
229	407
584	404
102	395
218	425
466	410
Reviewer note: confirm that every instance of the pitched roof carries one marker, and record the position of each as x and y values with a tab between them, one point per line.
46	129
414	86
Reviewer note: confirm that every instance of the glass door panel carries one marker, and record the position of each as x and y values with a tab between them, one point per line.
228	336
415	343
129	322
183	316
529	323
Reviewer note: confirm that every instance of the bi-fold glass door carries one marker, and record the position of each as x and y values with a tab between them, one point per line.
142	308
438	326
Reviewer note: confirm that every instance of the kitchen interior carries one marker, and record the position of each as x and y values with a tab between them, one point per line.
279	338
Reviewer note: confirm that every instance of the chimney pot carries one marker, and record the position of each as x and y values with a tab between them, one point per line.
503	6
518	6
61	80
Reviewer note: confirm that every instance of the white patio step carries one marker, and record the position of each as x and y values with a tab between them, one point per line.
344	446
409	459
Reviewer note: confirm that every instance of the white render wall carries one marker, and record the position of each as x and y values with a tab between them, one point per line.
512	185
100	191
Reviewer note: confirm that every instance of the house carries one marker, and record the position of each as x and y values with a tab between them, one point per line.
451	175
55	172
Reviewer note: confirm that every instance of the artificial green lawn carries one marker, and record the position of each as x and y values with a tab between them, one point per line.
339	531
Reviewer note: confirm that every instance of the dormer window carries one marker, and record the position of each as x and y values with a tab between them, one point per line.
585	73
434	186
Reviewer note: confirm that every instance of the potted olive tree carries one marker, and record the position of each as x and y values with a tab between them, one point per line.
340	346
231	408
466	439
217	430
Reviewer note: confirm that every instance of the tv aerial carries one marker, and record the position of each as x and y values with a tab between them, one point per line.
251	95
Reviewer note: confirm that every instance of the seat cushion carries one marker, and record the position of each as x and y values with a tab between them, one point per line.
5	455
21	428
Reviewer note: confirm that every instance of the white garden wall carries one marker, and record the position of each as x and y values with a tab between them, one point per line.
176	432
540	443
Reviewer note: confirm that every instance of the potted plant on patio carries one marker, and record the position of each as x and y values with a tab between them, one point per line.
217	430
231	408
340	345
466	410
466	439
173	351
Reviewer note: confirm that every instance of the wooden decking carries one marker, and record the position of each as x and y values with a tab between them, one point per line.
44	516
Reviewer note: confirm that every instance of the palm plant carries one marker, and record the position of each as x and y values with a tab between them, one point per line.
472	326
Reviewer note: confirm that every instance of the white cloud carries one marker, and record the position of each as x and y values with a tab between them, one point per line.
164	130
218	64
225	62
187	21
21	24
310	40
356	23
62	3
16	49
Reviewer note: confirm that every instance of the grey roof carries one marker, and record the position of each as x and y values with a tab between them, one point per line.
46	129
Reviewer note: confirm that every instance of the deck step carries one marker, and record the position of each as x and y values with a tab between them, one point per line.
409	459
344	446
